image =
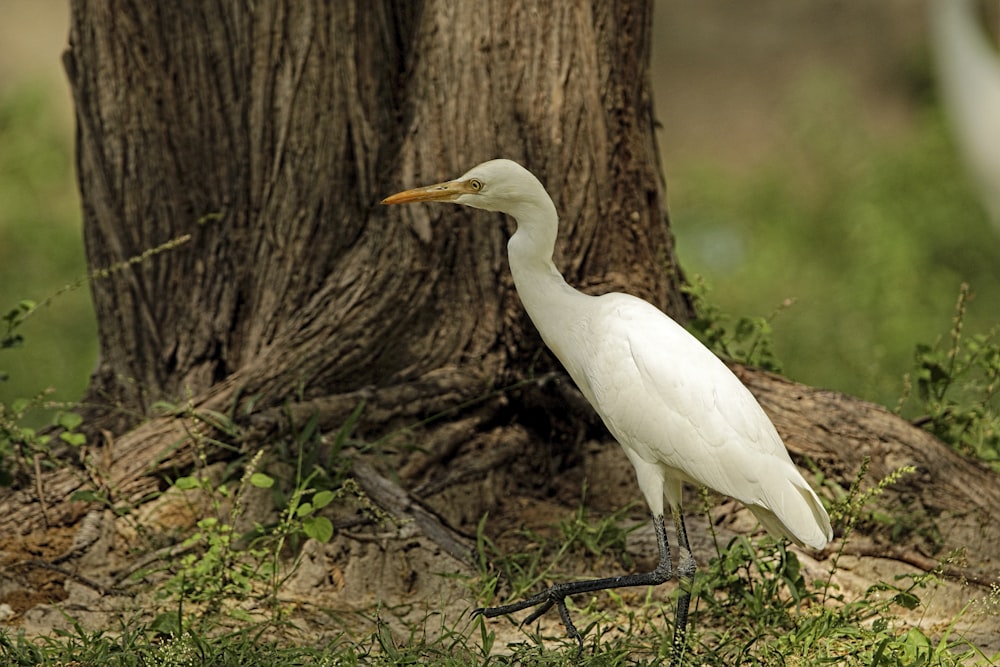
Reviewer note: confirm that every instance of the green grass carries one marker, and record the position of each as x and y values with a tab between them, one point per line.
220	600
134	645
753	605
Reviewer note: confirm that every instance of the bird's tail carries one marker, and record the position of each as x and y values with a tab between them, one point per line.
795	512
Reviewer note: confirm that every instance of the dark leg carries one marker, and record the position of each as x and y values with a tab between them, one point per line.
556	595
685	577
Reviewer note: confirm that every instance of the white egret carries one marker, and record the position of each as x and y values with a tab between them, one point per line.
968	72
678	412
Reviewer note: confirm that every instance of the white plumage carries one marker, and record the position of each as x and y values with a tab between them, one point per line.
678	412
681	415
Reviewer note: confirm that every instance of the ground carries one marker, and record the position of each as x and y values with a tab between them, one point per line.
389	572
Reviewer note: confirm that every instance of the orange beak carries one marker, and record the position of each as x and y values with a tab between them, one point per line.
447	191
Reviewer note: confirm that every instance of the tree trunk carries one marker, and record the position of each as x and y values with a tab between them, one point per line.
269	133
260	137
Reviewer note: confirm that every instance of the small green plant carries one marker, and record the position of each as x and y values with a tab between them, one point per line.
25	450
745	340
754	604
135	644
23	447
522	571
11	338
774	615
222	568
957	384
212	569
854	506
599	538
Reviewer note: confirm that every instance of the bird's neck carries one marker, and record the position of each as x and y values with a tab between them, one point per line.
530	248
549	300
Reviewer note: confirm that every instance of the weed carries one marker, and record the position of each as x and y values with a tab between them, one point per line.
773	615
958	387
754	605
853	507
222	569
212	571
745	340
598	538
137	645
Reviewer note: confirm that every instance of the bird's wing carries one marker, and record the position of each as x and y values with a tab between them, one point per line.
651	376
671	401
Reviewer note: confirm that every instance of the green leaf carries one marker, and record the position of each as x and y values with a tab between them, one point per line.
322	499
210	522
906	600
318	527
163	407
218	421
166	623
882	517
261	481
75	439
303	509
69	420
12	340
241	615
85	496
187	483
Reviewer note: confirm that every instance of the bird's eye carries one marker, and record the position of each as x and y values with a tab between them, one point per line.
476	184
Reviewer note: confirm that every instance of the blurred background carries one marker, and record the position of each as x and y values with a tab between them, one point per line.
810	168
41	244
808	160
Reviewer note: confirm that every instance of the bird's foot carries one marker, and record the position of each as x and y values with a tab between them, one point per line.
543	601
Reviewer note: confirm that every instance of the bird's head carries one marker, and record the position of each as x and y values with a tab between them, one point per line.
497	185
